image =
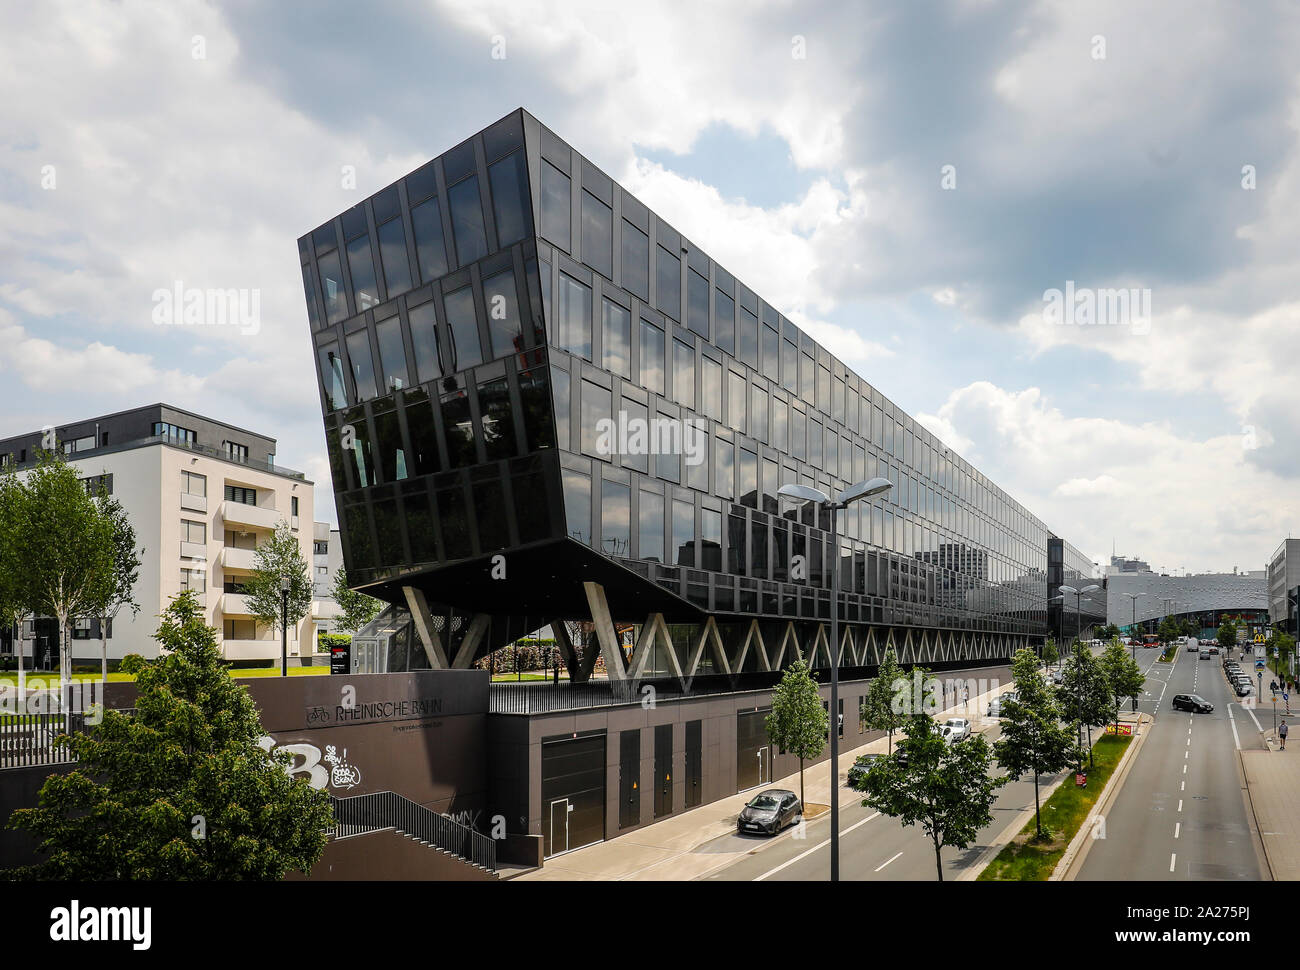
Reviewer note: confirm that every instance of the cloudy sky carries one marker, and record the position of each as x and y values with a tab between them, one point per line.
907	180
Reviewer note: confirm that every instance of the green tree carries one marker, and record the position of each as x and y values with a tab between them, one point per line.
946	788
279	556
878	710
798	722
1284	644
1169	630
1227	634
358	608
1033	740
117	588
63	550
1050	652
183	789
1084	696
1124	677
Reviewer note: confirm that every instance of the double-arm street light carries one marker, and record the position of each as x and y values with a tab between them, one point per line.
1132	628
1078	631
805	493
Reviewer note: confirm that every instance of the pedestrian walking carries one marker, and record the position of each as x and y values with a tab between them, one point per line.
1281	733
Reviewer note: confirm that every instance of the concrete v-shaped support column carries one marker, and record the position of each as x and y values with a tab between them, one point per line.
571	661
428	633
465	655
614	664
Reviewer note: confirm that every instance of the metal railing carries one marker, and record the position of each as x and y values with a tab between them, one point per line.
30	739
359	814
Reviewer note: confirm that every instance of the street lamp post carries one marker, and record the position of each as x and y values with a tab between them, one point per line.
867	489
1078	630
1132	640
284	626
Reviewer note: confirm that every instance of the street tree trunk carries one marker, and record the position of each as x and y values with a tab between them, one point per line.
801	799
1038	816
103	650
938	859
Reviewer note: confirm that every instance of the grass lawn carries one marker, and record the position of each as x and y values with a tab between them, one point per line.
1063	813
522	678
1168	655
10	678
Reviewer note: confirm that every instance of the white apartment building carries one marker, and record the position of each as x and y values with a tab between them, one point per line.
201	495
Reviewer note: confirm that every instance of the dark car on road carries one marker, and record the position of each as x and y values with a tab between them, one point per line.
770	811
858	770
1192	702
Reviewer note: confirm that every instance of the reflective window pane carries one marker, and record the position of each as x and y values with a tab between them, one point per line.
683	374
577	505
331	284
363	371
535	396
596	407
652	357
617	338
711	389
392	253
771	368
499	440
724	321
573	317
509	184
462	324
736	390
597	235
424	341
458	426
615	519
331	372
467	220
505	328
392	354
430	250
365	291
697	296
668	283
309	288
724	469
388	440
555	205
635	263
650	527
683	540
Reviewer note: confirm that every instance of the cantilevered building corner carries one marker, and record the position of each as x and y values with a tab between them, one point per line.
490	332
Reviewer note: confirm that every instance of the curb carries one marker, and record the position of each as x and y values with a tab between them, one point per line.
1260	846
1008	834
1077	851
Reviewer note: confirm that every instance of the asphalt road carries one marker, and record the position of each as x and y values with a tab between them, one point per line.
872	846
1182	814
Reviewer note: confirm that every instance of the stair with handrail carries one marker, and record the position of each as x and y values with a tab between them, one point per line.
359	814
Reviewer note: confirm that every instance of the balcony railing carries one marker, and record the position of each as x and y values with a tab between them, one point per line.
158	439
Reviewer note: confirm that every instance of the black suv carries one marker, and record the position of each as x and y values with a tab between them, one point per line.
1192	702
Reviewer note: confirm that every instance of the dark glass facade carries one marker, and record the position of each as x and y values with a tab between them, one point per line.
481	324
1073	615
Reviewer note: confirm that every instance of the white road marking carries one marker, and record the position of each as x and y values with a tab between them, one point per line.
1180	804
1178	826
1236	738
1183	786
808	852
1172	857
883	864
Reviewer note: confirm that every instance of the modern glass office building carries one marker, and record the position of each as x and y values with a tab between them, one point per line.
544	403
1070	614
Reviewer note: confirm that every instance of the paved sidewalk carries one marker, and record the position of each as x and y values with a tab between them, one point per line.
1273	784
674	848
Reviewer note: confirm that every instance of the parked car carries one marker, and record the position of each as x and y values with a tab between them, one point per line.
860	767
1244	688
1058	676
770	811
1192	702
995	705
958	727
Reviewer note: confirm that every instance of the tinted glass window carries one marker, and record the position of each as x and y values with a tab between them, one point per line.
331	372
780	429
617	338
724	320
711	389
453	515
696	458
748	478
313	309
392	454
426	220
463	327
596	406
615	519
505	328
560	379
363	370
758	413
535	396
736	389
806	368
683	374
668	283
331	284
683	541
392	355
509	185
424	437
573	317
392	253
748	338
424	341
358	431
555	205
697	295
597	235
710	540
789	365
459	429
652	357
467	220
771	364
577	505
650	524
365	292
637	454
498	419
635	266
724	471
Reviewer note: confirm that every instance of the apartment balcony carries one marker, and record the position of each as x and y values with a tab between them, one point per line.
235	604
232	558
237	513
194	503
